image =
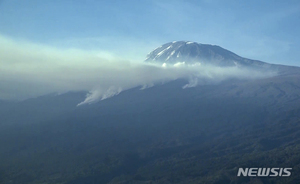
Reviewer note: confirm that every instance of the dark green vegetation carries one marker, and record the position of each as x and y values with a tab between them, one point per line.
159	135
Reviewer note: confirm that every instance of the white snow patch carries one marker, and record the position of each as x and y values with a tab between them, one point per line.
189	42
168	47
161	52
170	54
158	47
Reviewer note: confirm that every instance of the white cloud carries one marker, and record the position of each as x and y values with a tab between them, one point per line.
30	70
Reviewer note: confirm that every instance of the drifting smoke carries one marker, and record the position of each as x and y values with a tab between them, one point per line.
29	70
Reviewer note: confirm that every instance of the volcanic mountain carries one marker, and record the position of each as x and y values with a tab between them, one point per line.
190	52
193	52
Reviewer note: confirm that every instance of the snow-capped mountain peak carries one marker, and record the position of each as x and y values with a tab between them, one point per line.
193	52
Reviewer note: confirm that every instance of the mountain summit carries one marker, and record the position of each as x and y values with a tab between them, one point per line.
191	52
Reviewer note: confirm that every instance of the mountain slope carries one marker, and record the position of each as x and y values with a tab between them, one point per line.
199	134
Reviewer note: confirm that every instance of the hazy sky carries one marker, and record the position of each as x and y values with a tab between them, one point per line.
263	30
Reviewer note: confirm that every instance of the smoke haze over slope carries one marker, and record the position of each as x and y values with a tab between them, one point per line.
29	70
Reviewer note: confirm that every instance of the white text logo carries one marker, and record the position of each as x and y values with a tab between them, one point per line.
273	172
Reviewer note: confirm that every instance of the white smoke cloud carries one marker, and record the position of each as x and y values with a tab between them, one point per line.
29	70
95	95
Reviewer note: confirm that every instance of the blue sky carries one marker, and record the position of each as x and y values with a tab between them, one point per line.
263	30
